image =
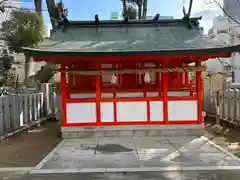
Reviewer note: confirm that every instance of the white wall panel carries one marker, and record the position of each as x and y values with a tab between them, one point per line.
107	112
156	111
81	112
131	111
182	110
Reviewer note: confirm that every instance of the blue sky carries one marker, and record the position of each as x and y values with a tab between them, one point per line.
86	9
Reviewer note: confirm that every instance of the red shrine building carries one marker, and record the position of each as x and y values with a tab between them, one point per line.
130	74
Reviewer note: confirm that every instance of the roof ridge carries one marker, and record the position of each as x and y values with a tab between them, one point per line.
64	24
115	22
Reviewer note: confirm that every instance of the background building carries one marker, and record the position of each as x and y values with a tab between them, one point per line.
114	16
232	7
227	31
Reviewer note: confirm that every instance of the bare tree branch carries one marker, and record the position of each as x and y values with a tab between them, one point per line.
190	7
3	1
225	12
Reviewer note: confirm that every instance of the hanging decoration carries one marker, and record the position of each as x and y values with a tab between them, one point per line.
114	79
94	72
147	78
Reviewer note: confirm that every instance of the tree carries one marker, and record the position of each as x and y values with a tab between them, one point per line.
124	7
6	70
224	11
38	7
131	12
144	14
2	9
128	9
141	6
22	29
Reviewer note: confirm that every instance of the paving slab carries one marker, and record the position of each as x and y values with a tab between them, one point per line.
195	148
153	146
115	154
94	161
183	139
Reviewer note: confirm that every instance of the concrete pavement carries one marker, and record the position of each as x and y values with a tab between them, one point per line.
165	158
136	155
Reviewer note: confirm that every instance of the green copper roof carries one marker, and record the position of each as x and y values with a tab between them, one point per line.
162	36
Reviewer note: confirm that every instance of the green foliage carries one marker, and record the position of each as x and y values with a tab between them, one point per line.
22	29
6	70
191	76
7	60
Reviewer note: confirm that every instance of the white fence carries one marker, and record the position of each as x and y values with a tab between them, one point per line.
20	109
224	103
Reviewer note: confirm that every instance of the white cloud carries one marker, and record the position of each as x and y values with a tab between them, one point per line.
208	9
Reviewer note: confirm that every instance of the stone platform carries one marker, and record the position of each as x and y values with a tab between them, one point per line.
133	131
137	154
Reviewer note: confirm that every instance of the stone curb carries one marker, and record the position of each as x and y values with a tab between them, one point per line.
125	170
46	158
16	169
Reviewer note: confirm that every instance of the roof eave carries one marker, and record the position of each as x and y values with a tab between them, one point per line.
213	52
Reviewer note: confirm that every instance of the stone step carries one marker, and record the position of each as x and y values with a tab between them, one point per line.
132	131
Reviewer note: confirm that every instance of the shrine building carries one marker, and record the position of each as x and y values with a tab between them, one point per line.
122	76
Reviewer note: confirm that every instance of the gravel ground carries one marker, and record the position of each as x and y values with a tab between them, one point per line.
29	148
228	137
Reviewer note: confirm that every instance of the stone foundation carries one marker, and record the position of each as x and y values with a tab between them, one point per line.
132	131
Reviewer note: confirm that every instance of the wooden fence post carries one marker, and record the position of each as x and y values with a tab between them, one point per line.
237	104
217	128
6	113
30	107
41	105
221	103
1	117
34	100
20	110
217	108
45	88
25	109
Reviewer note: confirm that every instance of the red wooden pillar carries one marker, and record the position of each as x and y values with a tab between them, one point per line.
70	81
98	96
165	97
199	92
186	78
64	95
